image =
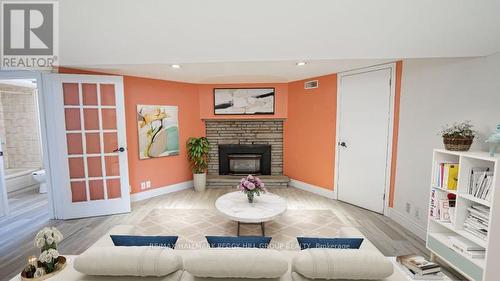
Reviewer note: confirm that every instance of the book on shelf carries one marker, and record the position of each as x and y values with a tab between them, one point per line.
477	221
444	210
466	247
446	175
442	206
480	183
434	206
419	265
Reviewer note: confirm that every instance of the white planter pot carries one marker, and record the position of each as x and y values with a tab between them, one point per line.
200	182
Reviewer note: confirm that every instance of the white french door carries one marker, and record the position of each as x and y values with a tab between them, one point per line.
364	137
87	145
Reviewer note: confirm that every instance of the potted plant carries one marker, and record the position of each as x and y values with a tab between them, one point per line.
197	149
251	186
459	136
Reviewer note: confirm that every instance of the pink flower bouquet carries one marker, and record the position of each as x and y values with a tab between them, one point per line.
251	186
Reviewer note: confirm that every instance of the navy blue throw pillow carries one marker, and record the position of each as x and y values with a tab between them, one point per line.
152	241
334	243
238	242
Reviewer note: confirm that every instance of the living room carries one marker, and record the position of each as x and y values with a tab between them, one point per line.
376	146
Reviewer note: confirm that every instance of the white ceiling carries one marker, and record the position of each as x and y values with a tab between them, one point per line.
242	72
220	41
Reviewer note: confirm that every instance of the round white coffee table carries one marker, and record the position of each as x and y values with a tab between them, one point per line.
265	207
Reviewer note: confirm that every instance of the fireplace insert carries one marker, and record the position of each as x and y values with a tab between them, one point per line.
244	159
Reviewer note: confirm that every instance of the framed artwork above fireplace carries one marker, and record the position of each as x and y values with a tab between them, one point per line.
247	101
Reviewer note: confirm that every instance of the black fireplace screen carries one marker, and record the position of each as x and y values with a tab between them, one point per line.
236	159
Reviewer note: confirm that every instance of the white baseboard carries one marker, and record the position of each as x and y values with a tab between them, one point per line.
160	191
412	226
312	188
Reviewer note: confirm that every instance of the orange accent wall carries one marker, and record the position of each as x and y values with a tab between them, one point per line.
309	138
309	133
164	170
397	103
207	100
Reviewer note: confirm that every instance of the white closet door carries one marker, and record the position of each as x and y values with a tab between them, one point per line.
363	142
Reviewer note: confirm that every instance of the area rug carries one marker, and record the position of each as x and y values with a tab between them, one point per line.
193	225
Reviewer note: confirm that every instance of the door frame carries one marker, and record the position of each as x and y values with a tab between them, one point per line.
57	134
42	111
392	67
4	202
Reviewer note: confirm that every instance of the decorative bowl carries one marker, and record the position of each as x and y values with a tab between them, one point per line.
60	265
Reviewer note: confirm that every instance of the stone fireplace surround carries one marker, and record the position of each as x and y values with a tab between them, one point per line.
243	132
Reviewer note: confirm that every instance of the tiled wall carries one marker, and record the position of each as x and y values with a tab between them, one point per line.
19	127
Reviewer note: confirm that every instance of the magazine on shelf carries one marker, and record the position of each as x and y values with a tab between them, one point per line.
481	183
475	232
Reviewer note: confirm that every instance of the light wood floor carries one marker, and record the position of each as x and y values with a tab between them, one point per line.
30	214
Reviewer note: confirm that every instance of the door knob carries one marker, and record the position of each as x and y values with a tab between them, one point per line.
120	149
343	144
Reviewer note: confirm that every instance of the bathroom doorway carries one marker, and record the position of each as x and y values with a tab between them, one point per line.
26	204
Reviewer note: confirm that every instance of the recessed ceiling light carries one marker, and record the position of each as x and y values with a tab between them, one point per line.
301	63
175	66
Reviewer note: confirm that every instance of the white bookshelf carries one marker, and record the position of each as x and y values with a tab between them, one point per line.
438	232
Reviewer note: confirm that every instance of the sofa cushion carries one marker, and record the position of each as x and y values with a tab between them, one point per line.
335	243
352	232
342	264
236	263
152	241
128	261
238	242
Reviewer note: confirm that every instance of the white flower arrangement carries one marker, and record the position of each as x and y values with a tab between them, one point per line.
46	240
47	237
48	256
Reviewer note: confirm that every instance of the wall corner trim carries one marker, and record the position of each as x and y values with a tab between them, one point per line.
404	221
312	188
160	191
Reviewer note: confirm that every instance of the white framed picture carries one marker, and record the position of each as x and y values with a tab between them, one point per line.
244	101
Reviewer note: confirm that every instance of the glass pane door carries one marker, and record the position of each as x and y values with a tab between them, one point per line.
96	157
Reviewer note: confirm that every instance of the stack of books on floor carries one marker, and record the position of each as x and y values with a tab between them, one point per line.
480	183
477	221
466	247
446	175
418	268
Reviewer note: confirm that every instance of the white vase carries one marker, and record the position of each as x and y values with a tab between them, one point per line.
200	182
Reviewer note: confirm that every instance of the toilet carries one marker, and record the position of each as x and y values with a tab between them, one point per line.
39	176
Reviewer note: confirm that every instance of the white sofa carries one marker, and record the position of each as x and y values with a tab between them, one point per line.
103	260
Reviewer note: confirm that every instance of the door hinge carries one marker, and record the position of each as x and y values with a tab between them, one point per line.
390	81
384	197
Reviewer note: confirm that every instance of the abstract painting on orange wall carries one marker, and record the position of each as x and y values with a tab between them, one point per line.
158	127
